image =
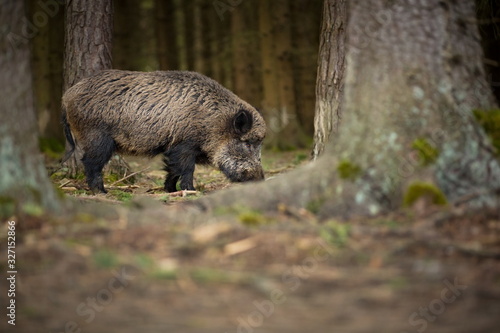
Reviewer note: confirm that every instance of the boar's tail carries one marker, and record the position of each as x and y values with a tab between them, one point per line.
68	135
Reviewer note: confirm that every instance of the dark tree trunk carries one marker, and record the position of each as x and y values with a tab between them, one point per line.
88	45
165	35
88	39
290	133
414	74
128	37
47	55
331	73
246	56
305	41
24	185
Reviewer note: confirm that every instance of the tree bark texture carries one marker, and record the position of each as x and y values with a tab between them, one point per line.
419	77
88	47
24	184
331	74
88	40
414	72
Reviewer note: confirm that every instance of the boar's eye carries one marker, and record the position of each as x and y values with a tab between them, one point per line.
242	122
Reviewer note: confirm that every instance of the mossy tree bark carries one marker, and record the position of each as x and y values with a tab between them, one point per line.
24	185
331	74
414	74
88	45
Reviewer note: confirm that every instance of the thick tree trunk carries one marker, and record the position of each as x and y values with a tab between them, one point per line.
24	185
414	74
331	74
88	43
419	77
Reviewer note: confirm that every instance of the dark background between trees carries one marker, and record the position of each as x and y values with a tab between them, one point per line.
265	51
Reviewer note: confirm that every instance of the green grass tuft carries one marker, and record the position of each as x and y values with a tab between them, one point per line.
105	259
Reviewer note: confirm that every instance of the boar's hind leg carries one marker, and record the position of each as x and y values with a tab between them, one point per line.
179	164
94	159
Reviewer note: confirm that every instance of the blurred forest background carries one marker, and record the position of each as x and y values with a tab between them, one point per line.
265	51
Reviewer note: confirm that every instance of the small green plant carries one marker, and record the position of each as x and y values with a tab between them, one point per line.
348	170
105	259
335	233
315	205
418	190
427	153
165	274
490	121
299	158
209	275
251	218
121	195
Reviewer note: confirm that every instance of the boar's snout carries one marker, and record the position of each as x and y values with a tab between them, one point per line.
243	172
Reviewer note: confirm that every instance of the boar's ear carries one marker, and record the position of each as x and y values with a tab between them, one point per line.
242	122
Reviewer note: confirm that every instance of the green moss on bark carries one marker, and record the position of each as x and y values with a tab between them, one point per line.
419	190
348	170
490	121
427	152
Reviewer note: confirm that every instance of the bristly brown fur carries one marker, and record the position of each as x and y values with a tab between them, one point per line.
186	116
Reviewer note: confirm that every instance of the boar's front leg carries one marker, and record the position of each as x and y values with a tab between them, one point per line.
179	164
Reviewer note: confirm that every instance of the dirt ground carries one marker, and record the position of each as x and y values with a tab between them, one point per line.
118	265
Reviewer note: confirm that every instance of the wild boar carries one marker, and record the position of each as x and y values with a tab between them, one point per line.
186	116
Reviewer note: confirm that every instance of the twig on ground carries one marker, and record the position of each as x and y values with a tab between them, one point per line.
127	177
65	183
183	193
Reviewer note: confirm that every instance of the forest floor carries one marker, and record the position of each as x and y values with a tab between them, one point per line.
120	265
